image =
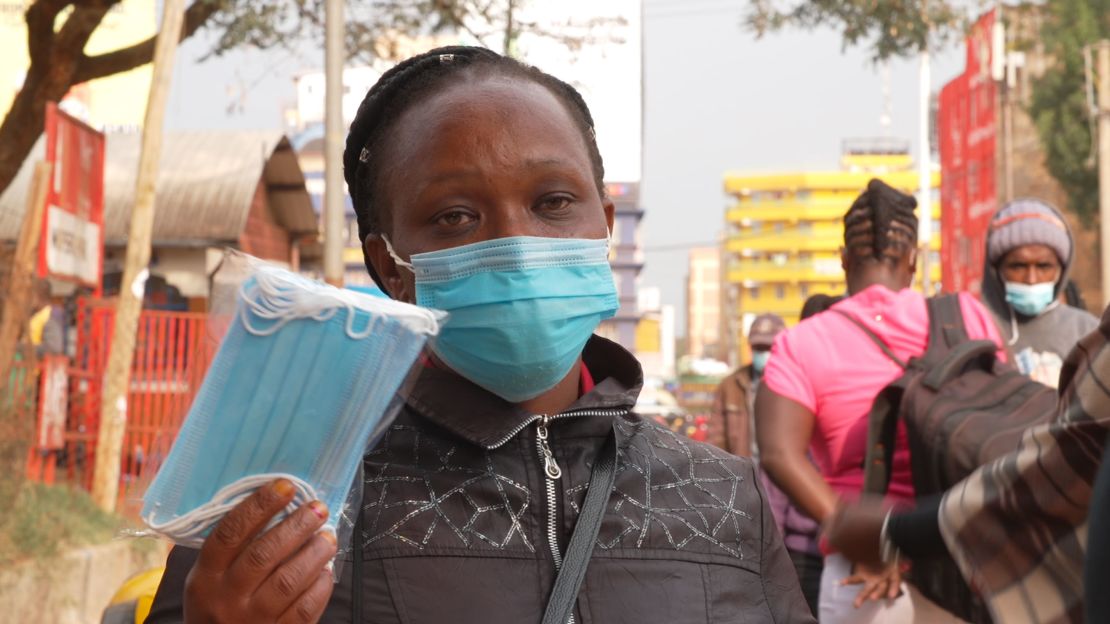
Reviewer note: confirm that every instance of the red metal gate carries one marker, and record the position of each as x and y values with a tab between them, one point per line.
172	353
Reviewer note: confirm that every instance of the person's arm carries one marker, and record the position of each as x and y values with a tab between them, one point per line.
729	426
783	430
738	427
855	530
717	428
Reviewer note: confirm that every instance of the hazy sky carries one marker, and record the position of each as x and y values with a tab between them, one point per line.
715	100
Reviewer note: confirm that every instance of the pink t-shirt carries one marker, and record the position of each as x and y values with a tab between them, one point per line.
831	367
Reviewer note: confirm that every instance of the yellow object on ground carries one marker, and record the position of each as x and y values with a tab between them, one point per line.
133	600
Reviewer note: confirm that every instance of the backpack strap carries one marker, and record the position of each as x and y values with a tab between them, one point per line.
874	338
946	325
882	420
882	426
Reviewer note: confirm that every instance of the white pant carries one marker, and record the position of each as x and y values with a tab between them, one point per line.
836	602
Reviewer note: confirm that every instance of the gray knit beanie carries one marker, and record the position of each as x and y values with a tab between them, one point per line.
1028	222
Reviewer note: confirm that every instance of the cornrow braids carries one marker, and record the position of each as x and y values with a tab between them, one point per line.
410	82
881	223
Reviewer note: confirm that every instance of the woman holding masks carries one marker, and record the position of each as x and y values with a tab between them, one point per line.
478	187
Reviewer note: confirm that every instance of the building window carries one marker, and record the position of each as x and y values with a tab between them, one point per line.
779	226
780	292
753	293
804	291
805	227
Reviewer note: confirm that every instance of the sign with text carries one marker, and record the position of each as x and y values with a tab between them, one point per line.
966	132
72	245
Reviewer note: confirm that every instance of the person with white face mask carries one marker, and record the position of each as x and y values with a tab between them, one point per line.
1029	254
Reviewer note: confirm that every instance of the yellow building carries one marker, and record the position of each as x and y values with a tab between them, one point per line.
117	101
785	231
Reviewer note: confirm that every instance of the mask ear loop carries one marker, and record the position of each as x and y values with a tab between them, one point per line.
393	254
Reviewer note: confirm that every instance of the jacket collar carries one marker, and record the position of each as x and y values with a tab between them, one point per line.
485	419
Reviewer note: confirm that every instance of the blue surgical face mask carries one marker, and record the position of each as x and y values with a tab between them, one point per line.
759	360
520	309
1030	299
296	389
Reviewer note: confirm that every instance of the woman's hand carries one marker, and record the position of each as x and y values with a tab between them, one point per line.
281	576
878	582
854	530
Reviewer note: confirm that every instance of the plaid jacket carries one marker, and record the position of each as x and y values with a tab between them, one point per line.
1018	527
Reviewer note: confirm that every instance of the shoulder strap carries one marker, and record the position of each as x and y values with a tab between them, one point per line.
946	323
874	338
569	580
356	574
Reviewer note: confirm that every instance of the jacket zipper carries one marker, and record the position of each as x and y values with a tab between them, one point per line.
553	473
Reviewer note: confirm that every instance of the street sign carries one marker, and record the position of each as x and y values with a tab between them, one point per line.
72	246
967	136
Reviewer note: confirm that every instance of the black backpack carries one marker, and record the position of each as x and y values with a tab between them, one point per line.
962	408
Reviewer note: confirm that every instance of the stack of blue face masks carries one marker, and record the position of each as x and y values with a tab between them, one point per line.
303	378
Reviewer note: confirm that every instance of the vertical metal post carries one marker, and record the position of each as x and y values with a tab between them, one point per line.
333	143
1104	162
924	172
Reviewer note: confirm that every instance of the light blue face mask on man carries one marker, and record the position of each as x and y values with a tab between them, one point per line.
303	377
520	309
1030	299
760	359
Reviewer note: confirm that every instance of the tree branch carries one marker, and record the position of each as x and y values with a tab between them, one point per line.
40	28
71	38
124	59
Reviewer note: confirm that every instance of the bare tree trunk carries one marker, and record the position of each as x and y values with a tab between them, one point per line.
25	120
58	62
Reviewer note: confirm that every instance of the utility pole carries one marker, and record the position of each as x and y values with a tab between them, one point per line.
924	173
1104	162
23	270
333	142
117	378
16	428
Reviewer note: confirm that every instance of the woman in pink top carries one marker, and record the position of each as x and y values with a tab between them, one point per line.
821	381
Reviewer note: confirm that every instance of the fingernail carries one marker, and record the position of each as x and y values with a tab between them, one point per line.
329	536
320	509
284	487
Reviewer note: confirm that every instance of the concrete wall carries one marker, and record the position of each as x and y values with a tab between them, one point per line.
75	587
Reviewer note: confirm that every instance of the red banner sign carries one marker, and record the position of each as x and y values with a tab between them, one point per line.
73	223
966	128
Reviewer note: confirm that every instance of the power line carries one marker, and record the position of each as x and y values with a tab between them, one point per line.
679	246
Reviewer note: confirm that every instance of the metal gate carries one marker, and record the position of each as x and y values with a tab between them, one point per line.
172	353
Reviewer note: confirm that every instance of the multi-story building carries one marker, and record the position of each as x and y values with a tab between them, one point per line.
784	232
627	258
703	303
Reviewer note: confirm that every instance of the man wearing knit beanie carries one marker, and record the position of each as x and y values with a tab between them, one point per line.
1029	253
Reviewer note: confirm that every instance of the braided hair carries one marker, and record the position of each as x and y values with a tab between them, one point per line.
409	83
881	224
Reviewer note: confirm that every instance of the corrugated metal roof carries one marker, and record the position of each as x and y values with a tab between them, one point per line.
206	182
